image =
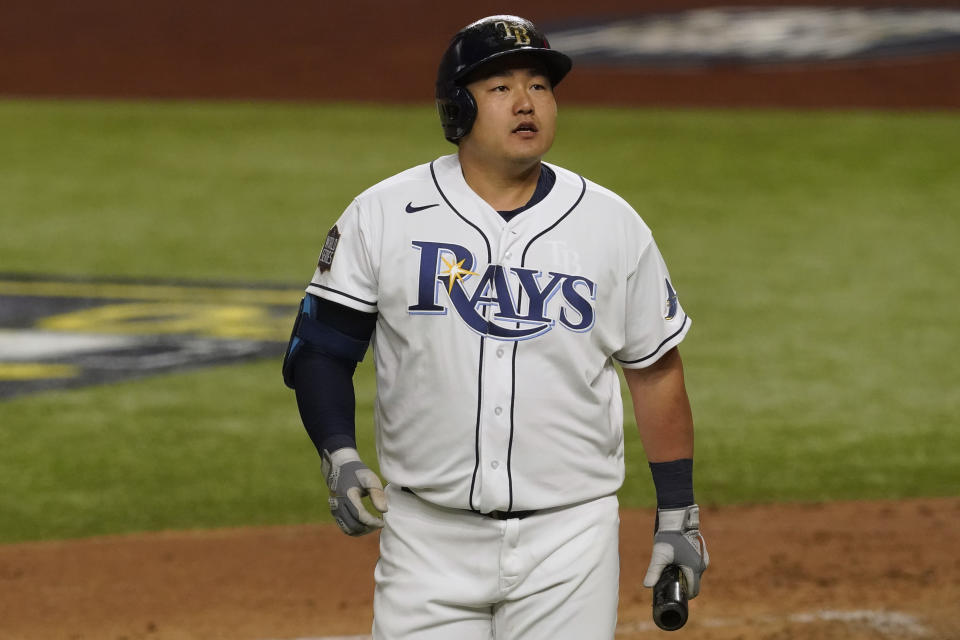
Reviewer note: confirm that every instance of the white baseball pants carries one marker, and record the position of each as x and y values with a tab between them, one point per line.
449	574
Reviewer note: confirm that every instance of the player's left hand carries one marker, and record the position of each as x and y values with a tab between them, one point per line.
678	541
350	481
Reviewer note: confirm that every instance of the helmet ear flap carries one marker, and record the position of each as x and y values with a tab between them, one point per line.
457	110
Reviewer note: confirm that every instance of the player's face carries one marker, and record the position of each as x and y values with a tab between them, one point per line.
516	113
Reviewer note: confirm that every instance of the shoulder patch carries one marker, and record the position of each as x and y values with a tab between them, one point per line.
329	248
672	302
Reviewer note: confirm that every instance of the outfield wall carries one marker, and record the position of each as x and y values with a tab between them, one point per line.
373	50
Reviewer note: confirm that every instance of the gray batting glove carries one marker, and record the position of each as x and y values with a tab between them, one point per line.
349	481
678	541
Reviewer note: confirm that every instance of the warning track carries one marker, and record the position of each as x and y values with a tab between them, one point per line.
386	51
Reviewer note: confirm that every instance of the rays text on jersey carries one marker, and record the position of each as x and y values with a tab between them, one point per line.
446	268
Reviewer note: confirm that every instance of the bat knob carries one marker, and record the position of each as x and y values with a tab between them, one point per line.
670	599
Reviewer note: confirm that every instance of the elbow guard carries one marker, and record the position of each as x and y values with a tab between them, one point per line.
310	332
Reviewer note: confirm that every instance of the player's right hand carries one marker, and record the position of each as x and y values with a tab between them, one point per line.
350	481
678	541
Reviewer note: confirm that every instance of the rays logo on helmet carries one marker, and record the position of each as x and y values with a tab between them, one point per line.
445	267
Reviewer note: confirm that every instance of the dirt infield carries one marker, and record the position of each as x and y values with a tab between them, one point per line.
856	571
386	51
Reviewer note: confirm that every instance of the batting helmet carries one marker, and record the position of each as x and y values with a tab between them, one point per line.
476	44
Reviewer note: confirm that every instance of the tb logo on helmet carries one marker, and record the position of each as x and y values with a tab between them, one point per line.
446	266
516	31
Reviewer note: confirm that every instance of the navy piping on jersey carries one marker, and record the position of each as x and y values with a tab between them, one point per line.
660	346
459	215
476	435
345	295
583	190
513	372
513	404
476	443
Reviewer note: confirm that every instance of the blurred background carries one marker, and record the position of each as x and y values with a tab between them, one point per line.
168	170
652	52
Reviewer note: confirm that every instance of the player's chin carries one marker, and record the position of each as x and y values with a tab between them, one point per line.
529	144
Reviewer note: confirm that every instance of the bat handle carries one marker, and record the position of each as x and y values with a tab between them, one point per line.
670	599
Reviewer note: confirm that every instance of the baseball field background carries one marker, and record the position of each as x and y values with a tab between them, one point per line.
814	249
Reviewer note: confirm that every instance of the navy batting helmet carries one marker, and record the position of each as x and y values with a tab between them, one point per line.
476	44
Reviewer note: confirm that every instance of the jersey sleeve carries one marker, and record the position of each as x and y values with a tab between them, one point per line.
345	270
655	322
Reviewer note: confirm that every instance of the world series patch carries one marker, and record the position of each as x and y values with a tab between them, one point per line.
329	248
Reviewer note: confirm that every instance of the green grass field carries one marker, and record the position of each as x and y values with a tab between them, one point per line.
815	252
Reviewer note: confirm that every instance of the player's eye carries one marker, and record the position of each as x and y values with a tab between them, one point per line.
500	87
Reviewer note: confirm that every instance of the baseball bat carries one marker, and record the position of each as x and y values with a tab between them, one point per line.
670	599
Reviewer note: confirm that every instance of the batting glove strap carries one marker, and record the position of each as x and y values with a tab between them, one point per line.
678	541
684	519
349	481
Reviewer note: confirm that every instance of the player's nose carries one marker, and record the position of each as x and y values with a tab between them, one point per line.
524	103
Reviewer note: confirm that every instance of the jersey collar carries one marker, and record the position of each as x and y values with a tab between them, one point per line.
562	198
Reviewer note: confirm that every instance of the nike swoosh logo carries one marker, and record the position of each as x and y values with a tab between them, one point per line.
413	209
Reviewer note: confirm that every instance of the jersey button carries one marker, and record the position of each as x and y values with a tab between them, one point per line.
495	464
500	352
498	410
508	255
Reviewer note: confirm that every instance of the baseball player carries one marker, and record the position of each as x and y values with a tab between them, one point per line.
499	292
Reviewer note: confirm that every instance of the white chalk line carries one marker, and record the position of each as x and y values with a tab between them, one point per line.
884	622
893	623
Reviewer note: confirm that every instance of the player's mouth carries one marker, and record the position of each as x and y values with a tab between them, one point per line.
526	129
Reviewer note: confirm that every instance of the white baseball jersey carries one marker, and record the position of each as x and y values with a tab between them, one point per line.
496	341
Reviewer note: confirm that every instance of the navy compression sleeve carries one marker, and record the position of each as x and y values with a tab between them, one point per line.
324	383
674	483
